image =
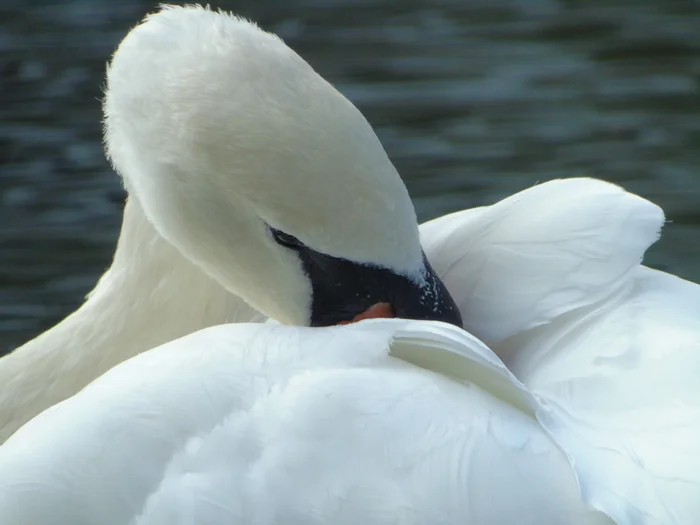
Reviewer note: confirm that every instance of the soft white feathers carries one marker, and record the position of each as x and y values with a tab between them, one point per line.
272	424
620	379
540	253
551	278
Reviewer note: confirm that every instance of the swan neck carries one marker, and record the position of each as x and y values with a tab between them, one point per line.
150	295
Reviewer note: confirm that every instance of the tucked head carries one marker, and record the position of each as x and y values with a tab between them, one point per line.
261	173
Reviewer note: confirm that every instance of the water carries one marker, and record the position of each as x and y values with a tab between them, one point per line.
473	100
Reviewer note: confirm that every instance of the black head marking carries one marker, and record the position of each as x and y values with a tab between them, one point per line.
343	289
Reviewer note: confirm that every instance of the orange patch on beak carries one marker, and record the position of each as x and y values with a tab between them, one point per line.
377	311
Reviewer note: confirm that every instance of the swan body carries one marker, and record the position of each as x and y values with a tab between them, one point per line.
383	421
386	421
551	279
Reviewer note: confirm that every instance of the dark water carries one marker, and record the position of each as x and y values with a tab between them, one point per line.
473	100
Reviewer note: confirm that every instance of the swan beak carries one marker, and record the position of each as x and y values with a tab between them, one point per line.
428	300
346	292
376	311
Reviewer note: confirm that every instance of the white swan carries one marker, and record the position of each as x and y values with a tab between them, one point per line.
592	237
261	423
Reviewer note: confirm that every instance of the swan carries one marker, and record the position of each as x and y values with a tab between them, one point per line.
576	245
386	420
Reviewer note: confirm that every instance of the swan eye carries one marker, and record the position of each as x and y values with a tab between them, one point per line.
285	239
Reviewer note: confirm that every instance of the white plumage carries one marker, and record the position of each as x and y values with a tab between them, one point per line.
381	422
273	424
551	279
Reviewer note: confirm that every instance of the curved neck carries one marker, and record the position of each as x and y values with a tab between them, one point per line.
150	295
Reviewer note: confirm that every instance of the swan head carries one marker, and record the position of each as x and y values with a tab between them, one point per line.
261	173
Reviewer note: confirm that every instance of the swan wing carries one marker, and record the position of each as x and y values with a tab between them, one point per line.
620	393
610	349
275	424
540	253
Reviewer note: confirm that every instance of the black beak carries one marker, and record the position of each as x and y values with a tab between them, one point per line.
343	290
